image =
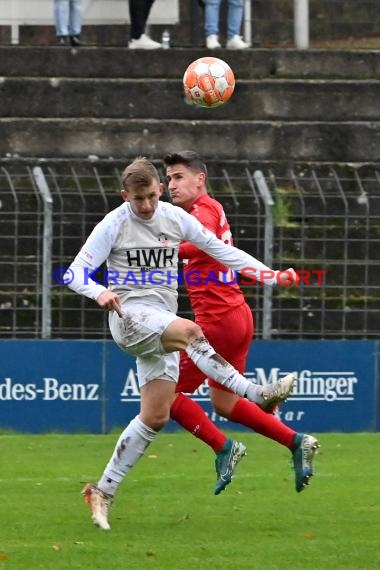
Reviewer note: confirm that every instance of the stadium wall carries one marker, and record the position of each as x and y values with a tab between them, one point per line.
91	386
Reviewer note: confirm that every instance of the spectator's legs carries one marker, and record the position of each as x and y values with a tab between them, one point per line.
139	11
212	17
76	17
147	6
234	18
61	16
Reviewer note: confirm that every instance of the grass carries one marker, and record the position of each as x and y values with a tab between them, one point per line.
167	518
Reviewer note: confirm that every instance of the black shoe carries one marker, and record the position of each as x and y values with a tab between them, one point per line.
63	40
76	41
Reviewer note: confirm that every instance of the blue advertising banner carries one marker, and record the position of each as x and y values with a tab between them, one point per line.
91	386
51	386
336	382
335	388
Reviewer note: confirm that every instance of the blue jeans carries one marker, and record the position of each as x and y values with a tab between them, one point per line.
234	17
68	16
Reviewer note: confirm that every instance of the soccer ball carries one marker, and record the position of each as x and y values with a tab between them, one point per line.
208	82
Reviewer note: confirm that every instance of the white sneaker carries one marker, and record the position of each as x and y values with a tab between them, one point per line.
278	391
236	42
100	505
212	42
144	42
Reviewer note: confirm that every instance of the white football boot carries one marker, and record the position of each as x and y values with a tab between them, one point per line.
100	505
277	392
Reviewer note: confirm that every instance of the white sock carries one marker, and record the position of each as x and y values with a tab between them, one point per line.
214	366
129	448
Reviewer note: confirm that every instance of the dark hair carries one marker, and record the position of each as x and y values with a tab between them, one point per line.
139	174
189	158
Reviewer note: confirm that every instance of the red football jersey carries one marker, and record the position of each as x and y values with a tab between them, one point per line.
212	287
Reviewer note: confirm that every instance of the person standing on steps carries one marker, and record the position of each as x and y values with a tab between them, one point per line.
234	22
139	11
68	16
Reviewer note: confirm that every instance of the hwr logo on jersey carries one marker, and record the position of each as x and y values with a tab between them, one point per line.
152	257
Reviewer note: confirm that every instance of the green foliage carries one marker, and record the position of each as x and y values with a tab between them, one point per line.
282	208
166	517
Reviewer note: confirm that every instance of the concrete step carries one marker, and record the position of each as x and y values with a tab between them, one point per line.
99	62
229	140
271	100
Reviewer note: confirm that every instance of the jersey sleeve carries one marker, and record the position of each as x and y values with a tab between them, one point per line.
209	217
92	255
227	254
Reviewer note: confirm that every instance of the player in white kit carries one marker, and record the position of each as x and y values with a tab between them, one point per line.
139	240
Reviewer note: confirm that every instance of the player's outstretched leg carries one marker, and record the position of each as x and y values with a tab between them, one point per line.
100	505
306	447
216	367
226	462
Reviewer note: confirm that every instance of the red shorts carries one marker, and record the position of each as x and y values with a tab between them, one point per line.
230	336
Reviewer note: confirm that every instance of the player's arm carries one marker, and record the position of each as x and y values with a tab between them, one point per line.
209	218
231	256
80	275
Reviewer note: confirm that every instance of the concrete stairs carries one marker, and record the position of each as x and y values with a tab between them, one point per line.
289	105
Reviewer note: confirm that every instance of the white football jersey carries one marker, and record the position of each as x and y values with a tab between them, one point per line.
142	255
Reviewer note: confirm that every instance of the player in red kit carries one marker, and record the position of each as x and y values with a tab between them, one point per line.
220	309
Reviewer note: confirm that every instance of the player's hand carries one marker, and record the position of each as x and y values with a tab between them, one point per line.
288	277
110	302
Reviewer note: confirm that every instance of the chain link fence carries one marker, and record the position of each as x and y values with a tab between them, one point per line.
324	221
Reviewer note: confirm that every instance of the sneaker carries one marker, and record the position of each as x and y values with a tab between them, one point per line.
212	42
63	40
236	42
100	505
76	41
303	456
225	463
278	391
144	42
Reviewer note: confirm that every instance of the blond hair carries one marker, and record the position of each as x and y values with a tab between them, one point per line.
139	174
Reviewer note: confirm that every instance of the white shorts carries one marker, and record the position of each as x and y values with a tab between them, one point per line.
139	333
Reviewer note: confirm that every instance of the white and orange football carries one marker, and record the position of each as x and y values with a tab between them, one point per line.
208	82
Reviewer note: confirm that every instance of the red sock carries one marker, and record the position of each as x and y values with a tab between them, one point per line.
193	418
252	416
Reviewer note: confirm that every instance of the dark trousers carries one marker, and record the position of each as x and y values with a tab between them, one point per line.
139	12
